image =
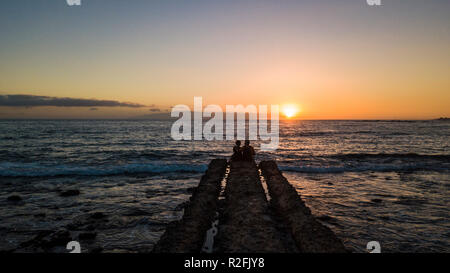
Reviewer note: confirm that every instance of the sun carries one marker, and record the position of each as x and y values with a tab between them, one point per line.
290	110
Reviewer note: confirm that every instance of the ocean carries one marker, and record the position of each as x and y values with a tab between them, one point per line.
385	181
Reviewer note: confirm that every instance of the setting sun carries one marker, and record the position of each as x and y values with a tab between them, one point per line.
290	110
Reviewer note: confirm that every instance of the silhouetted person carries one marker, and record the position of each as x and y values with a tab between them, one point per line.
237	152
247	151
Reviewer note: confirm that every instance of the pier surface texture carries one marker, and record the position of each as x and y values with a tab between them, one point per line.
247	221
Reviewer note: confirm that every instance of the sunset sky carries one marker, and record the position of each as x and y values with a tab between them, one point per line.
334	59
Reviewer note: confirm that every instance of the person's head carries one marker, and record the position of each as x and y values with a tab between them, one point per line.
247	142
238	143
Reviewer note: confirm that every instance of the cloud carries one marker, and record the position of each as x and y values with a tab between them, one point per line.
154	110
36	101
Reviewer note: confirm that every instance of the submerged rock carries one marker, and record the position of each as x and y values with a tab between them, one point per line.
137	212
97	220
98	215
48	239
68	193
59	238
14	198
182	205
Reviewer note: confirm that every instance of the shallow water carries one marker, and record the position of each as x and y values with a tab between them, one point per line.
368	181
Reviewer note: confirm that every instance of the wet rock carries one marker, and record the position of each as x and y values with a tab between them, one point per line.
48	239
69	193
182	205
87	236
36	239
97	220
59	238
98	215
136	212
14	198
90	227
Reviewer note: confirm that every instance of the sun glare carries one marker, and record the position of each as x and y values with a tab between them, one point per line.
290	110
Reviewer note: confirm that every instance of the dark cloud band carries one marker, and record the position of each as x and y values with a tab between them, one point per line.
36	101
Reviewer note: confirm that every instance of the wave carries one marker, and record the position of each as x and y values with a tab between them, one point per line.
10	169
444	157
321	133
290	134
365	168
362	158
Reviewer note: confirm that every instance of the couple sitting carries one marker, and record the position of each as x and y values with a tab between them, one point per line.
245	153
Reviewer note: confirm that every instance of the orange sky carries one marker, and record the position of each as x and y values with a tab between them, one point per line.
336	61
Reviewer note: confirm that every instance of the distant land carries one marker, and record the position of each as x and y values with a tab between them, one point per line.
155	116
166	116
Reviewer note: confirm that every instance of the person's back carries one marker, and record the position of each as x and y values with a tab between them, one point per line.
248	152
237	152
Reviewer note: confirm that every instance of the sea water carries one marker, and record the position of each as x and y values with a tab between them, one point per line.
385	181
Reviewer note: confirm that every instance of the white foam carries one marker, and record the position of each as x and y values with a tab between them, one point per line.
363	168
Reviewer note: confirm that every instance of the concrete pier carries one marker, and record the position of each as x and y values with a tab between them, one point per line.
246	225
309	234
188	234
247	221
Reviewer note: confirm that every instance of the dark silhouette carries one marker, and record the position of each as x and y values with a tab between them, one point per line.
237	152
248	152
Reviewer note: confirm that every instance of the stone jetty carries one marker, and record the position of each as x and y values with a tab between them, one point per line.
230	212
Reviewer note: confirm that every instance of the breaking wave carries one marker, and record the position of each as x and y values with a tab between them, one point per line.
443	157
366	168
